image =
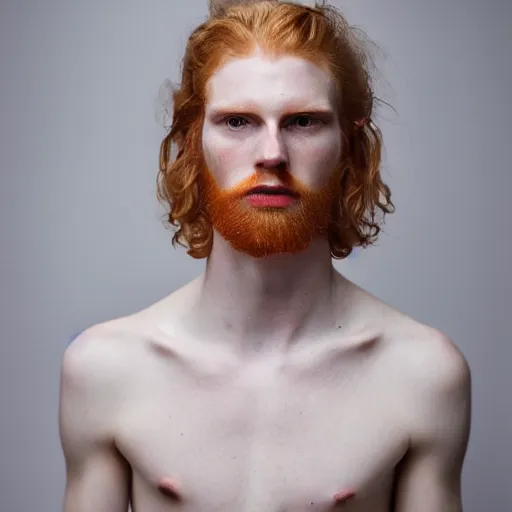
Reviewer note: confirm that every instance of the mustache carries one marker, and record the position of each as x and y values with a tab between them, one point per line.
257	183
273	190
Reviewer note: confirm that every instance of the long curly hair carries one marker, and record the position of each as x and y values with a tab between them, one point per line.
320	34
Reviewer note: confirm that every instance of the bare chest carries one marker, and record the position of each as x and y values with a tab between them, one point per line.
262	439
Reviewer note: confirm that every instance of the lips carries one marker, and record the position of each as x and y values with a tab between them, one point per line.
272	190
265	196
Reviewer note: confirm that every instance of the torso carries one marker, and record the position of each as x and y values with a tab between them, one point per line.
319	429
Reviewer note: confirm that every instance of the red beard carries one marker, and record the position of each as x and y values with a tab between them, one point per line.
265	231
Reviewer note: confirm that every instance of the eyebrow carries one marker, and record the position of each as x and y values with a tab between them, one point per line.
250	109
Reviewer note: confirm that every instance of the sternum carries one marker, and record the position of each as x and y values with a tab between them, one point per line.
261	383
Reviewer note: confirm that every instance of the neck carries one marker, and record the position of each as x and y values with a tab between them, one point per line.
261	305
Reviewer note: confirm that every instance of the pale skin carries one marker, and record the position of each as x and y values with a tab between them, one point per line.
265	385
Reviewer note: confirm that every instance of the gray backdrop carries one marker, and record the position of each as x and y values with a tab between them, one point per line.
81	235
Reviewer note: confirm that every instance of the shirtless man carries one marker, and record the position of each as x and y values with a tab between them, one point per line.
271	383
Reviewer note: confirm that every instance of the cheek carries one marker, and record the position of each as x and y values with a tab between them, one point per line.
228	162
315	160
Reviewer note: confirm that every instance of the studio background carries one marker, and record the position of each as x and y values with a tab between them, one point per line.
82	239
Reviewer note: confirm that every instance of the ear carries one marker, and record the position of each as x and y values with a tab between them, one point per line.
220	6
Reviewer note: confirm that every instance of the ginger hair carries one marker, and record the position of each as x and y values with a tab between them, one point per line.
320	34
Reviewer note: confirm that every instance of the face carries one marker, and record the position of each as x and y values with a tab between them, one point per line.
270	123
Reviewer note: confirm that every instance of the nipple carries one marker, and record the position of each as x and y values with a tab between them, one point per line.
343	496
169	488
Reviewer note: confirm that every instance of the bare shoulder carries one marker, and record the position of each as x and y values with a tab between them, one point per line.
420	352
437	378
430	361
425	363
105	351
434	361
96	359
432	375
93	378
428	376
101	341
425	376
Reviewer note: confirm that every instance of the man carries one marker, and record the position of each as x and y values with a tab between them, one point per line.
271	382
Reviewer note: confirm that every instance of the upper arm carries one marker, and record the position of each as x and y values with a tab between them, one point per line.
429	477
97	477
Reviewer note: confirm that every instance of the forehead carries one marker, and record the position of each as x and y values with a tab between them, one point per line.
263	80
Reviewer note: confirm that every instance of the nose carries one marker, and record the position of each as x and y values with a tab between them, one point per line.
272	151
